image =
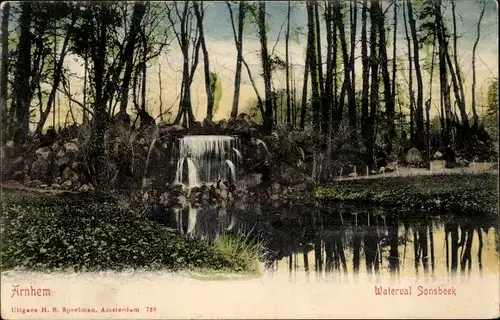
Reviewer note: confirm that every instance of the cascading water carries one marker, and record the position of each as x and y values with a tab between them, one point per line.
209	159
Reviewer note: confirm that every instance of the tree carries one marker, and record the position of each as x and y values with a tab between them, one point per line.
238	40
266	65
22	89
199	12
4	67
474	109
287	61
311	51
419	114
185	41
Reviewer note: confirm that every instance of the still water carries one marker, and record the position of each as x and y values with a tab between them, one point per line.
336	243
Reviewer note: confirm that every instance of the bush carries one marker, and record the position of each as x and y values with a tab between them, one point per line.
51	233
436	194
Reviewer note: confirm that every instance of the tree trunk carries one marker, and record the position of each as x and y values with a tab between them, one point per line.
374	62
238	41
266	67
323	110
22	90
210	95
328	94
348	86
303	109
97	156
4	78
388	97
410	84
287	62
419	111
135	27
311	51
474	109
365	77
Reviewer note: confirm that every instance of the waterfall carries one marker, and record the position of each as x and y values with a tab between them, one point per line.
209	159
232	169
192	212
148	159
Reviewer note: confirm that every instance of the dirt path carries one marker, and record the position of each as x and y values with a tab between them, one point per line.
435	169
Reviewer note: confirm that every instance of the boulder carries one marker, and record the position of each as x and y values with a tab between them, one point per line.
413	156
34	184
84	188
67	185
43	153
70	147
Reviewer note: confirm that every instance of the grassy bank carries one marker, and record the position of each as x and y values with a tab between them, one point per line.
92	233
438	194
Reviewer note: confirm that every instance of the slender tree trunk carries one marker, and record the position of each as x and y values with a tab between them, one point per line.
459	87
135	27
199	12
4	78
474	109
287	62
328	94
348	87
22	90
365	77
303	109
410	76
238	40
374	62
266	67
311	51
443	77
388	97
323	123
419	114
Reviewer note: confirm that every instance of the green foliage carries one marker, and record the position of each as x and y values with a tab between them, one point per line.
75	232
242	252
437	194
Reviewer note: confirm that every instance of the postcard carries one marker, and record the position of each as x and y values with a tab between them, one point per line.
249	159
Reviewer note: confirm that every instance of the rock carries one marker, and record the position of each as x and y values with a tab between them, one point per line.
382	169
34	184
43	153
70	147
57	180
67	174
17	175
391	167
67	185
275	187
84	188
19	161
44	186
55	186
413	156
60	154
223	194
164	198
392	158
374	171
181	200
352	175
62	162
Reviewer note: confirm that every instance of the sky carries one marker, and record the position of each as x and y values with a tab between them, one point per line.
222	55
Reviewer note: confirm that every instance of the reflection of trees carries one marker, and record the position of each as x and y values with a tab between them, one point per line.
392	230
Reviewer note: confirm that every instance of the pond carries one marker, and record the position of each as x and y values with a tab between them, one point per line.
334	242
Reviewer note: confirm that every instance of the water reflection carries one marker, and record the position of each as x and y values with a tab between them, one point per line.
337	243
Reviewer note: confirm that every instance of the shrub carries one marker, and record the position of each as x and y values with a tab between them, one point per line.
436	194
75	233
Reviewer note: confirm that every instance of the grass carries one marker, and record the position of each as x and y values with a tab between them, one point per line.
92	233
440	194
